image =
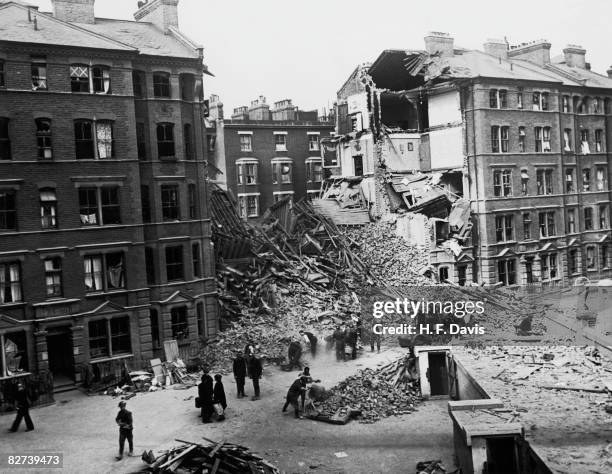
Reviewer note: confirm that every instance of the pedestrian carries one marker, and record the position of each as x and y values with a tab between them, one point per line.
255	371
294	354
339	339
311	339
293	394
125	420
351	340
374	338
240	373
22	405
205	393
219	398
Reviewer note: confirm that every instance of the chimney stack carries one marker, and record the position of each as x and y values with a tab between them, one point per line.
162	13
537	52
284	110
216	108
497	48
575	56
609	71
438	42
259	109
74	11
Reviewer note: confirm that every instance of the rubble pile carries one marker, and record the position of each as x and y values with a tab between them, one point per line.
375	393
216	457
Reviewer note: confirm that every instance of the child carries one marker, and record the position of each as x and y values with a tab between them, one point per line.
219	397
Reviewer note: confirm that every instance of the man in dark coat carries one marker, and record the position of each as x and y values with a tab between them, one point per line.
351	340
240	373
126	424
294	354
255	371
22	405
312	342
339	338
219	396
205	392
293	395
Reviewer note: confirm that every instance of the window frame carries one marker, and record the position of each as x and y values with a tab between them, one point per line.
8	210
171	208
44	140
179	323
175	266
38	72
48	208
165	140
162	86
53	277
5	139
504	228
106	203
11	283
103	273
280	145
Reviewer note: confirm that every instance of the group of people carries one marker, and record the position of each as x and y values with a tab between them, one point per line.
346	335
247	364
296	395
211	397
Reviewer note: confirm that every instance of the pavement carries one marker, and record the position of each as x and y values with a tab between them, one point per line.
83	428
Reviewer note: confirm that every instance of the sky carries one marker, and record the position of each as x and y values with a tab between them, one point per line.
305	50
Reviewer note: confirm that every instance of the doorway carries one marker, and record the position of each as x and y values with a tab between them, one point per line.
59	350
502	455
438	373
358	165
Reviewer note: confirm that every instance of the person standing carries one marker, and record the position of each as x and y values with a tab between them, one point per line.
339	338
22	405
240	372
205	392
294	354
351	340
125	420
312	342
255	371
293	395
219	396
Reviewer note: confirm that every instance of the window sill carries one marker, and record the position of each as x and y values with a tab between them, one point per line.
16	376
12	305
110	359
95	294
58	301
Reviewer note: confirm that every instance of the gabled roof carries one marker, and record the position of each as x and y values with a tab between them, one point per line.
146	37
17	25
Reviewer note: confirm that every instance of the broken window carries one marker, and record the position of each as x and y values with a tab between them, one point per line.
10	282
600	178
314	170
603	216
281	172
161	84
39	73
53	276
313	142
544	181
569	180
8	210
596	105
48	208
248	205
14	353
565	104
165	140
506	271
443	274
567	139
502	182
571	221
549	266
547	224
247	171
174	263
104	139
524	182
540	101
5	139
104	272
519	98
94	79
246	143
504	228
526	226
521	142
99	206
599	140
588	218
43	138
586	179
572	261
580	105
170	202
179	323
590	258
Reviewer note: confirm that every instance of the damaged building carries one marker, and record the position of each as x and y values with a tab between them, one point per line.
497	159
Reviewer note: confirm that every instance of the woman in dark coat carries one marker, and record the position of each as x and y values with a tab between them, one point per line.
219	396
205	392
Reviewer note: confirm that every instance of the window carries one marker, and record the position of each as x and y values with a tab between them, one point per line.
186	86
521	142
596	105
547	224
79	78
580	105
504	228
248	205
192	201
247	172
174	263
53	276
246	143
43	138
526	226
180	326
502	182
506	271
95	79
2	83
569	180
165	140
90	146
281	172
10	283
150	265
141	141
604	256
139	84
590	258
599	141
280	140
586	179
48	208
196	259
99	206
104	272
571	221
109	337
188	141
542	139
314	170
499	139
572	261
493	102
155	333
313	142
588	218
600	179
519	99
8	210
210	142
549	266
565	104
544	181
603	216
170	203
161	84
567	139
540	101
5	139
524	182
584	142
201	315
14	347
39	73
145	203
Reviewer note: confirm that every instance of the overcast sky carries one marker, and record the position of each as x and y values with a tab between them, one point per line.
305	50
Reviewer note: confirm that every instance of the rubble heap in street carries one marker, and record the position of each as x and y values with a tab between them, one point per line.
375	393
217	457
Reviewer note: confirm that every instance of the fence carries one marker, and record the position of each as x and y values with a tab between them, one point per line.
38	386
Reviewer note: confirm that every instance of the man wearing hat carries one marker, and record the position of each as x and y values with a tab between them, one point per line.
125	421
240	372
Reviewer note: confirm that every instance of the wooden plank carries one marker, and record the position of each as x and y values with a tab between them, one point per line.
215	466
470	405
576	388
177	458
216	448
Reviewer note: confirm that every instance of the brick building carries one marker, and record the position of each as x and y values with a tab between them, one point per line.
263	155
520	135
104	232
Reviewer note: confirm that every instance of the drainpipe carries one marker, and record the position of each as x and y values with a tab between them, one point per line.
478	247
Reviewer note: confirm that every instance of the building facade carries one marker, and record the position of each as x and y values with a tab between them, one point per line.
520	135
264	155
105	247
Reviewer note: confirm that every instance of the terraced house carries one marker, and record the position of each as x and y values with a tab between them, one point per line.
105	245
522	136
